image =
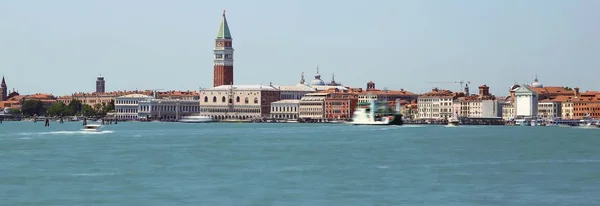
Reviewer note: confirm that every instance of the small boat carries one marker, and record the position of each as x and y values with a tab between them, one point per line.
92	128
375	113
453	122
196	119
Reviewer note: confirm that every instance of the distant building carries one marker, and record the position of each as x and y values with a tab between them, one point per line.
526	102
3	90
340	106
437	104
482	105
241	102
372	93
100	84
285	109
223	55
312	107
167	109
127	106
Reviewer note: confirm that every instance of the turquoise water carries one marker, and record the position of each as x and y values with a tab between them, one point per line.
297	164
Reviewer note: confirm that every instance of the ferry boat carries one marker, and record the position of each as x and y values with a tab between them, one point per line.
375	113
92	127
196	119
454	120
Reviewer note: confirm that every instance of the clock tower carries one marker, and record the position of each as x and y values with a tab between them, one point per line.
223	55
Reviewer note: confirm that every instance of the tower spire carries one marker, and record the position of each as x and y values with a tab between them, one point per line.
223	32
3	81
302	78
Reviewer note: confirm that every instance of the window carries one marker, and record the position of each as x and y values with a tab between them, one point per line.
246	100
214	99
237	99
205	99
230	101
223	99
255	100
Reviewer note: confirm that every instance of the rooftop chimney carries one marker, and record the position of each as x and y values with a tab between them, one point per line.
576	91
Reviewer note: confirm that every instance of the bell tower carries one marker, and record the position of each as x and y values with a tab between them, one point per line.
3	90
223	55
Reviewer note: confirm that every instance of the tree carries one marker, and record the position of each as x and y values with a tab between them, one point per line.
88	111
33	107
75	106
14	112
57	109
110	106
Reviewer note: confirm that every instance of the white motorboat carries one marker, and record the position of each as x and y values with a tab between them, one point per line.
375	113
196	119
453	122
92	128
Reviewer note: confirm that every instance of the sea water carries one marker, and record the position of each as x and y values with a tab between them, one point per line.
297	164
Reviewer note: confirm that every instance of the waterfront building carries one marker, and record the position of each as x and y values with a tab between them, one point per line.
566	107
549	109
100	84
312	107
482	105
587	104
127	106
410	110
437	104
340	106
508	110
373	93
287	109
526	102
241	102
223	55
167	109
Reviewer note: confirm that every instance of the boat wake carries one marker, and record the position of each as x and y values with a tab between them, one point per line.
68	132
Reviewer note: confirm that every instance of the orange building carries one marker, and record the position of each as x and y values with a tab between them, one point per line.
587	103
340	106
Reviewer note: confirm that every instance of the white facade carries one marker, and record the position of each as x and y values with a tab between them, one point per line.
285	109
526	102
312	106
435	107
549	110
242	102
127	107
167	109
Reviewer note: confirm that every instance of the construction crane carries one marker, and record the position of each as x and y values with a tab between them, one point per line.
464	85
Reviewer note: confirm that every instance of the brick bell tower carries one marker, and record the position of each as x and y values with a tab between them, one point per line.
223	55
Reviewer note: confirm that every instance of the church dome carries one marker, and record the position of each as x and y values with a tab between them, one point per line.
536	84
317	81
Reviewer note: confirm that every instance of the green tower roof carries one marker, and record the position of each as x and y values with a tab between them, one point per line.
223	32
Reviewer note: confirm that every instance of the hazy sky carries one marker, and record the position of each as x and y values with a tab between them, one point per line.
61	46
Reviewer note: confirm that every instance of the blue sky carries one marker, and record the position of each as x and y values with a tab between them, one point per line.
61	46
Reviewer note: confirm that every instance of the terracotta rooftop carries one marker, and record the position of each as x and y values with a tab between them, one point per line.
388	92
439	93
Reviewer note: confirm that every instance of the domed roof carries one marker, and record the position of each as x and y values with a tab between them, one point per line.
317	81
536	84
514	87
